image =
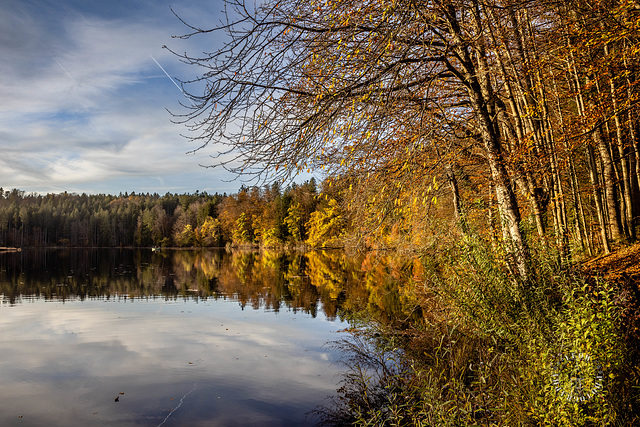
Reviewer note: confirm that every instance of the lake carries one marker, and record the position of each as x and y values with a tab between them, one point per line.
128	337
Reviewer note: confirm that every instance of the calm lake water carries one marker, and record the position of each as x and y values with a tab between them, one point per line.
180	338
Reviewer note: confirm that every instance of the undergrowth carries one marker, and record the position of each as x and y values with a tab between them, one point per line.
493	351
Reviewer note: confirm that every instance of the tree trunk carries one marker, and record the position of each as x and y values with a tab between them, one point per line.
479	97
595	184
505	196
457	205
609	178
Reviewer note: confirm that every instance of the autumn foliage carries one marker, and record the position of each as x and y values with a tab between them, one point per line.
268	217
515	119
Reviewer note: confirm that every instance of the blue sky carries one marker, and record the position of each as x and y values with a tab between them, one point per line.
83	104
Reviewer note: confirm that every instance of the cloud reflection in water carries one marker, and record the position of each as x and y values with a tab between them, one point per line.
64	363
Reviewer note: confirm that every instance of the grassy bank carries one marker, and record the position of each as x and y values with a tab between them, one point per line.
557	349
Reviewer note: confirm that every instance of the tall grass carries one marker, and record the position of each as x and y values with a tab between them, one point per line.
493	350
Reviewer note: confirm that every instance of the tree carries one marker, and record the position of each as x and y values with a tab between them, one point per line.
294	221
325	225
186	237
354	87
208	234
243	231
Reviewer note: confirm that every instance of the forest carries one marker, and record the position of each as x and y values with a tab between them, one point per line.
517	121
518	118
266	217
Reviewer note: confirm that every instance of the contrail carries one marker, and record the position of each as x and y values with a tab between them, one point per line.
63	69
170	78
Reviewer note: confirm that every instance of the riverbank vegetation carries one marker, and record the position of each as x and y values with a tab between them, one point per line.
560	349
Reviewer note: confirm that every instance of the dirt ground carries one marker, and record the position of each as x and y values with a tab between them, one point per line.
623	264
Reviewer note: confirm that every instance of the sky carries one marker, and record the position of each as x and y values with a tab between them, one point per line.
83	103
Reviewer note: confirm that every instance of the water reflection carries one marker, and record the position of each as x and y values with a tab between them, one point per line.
190	337
322	280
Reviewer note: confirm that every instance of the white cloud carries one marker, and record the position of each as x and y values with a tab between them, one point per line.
84	105
75	65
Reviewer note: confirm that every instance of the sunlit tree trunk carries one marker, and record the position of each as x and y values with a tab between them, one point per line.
592	167
624	166
609	181
595	184
457	203
479	93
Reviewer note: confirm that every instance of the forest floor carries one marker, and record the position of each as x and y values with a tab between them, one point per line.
621	265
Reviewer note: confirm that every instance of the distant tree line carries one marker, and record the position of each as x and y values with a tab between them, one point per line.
267	216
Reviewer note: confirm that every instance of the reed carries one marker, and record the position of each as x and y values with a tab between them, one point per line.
493	350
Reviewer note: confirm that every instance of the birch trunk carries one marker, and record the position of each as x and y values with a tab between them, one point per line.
479	92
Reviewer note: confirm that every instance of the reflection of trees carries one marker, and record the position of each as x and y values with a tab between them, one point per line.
253	279
329	281
375	282
99	273
386	278
334	277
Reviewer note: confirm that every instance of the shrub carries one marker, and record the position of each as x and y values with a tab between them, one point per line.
492	350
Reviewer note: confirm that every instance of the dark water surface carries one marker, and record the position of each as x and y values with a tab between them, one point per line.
181	338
